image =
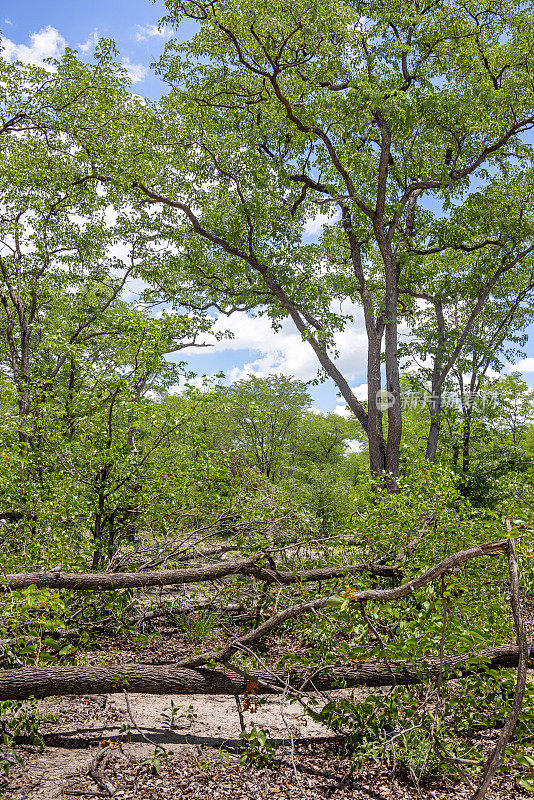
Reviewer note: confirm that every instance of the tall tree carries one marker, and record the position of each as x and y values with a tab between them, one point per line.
393	122
453	342
77	358
267	413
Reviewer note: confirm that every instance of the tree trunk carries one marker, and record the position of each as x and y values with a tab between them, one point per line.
21	684
466	441
392	374
436	384
375	436
435	426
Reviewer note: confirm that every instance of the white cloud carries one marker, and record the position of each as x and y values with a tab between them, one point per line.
90	43
49	43
46	43
136	72
527	365
144	32
203	382
284	351
7	21
360	392
314	225
343	411
492	373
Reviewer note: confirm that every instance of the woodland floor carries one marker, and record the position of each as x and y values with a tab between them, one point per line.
205	746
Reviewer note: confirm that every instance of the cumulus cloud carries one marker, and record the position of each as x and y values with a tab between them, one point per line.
46	43
284	351
314	225
360	392
90	43
136	72
144	32
49	43
527	365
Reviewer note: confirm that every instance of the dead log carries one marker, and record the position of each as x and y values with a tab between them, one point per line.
101	581
39	682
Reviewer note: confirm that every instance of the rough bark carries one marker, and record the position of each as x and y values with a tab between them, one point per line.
437	385
374	330
98	581
21	684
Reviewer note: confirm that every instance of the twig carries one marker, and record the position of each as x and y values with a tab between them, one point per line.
292	740
240	713
96	770
136	726
375	632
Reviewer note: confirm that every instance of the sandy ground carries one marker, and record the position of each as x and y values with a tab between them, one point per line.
82	724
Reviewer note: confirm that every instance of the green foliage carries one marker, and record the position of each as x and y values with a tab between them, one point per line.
155	762
385	119
16	719
32	620
198	626
259	749
423	729
173	714
261	421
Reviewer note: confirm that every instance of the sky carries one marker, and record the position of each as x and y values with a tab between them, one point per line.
32	31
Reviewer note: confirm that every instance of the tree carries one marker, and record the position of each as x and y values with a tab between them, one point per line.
399	124
83	365
461	347
266	414
323	438
511	411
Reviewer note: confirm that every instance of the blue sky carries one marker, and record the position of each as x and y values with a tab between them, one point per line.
131	23
34	30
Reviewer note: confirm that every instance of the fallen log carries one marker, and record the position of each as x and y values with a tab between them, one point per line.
39	682
103	581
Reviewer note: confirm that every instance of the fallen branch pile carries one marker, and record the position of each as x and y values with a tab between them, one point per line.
197	675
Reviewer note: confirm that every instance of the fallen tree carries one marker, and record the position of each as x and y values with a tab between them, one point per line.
381	595
191	676
39	682
105	581
197	675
